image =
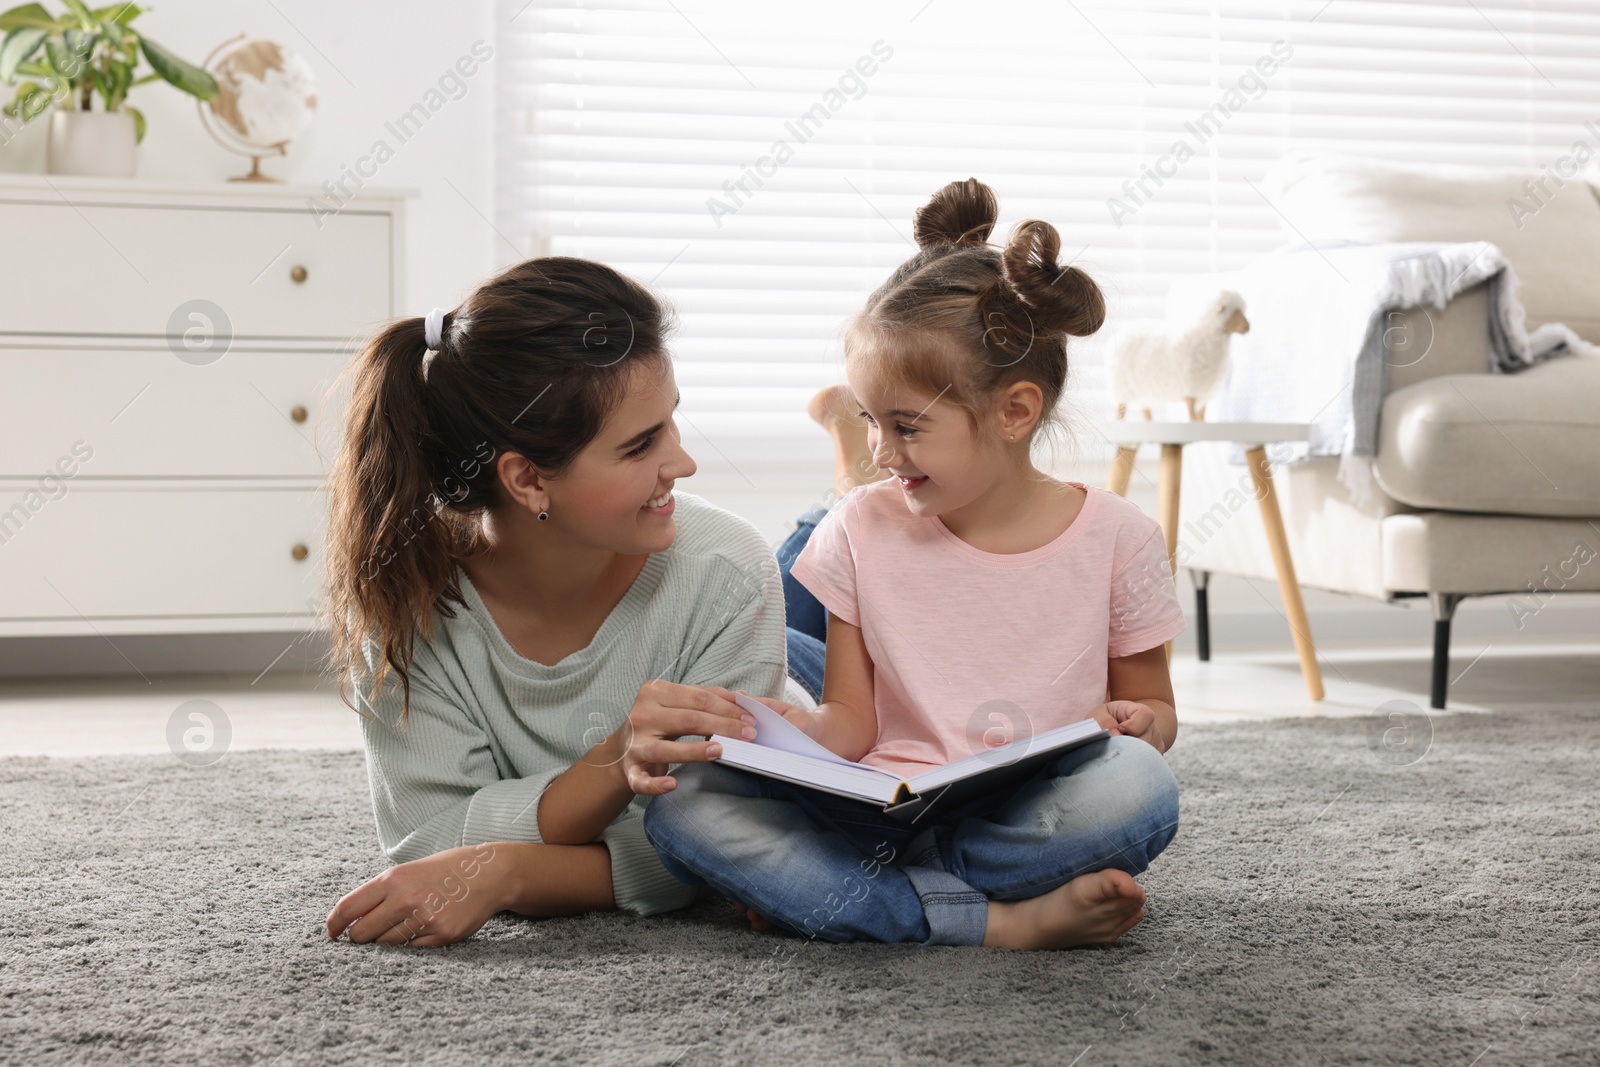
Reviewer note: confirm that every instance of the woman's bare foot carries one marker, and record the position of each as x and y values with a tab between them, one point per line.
852	460
1092	909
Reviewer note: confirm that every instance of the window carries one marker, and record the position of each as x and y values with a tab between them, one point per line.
759	164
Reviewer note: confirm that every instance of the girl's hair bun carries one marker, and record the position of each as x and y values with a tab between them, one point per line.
1057	298
962	213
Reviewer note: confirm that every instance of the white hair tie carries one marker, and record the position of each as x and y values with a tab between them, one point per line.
432	336
433	328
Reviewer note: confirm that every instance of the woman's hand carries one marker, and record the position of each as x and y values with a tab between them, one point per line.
1133	719
666	711
437	900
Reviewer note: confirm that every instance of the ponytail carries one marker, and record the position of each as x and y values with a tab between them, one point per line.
392	558
527	364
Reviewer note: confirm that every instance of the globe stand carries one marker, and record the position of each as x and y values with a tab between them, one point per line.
255	174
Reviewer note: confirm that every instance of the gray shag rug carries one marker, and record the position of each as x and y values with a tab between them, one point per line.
1328	900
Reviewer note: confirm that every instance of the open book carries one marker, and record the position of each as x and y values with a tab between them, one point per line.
783	751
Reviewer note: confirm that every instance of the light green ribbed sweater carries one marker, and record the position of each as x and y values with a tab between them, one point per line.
490	729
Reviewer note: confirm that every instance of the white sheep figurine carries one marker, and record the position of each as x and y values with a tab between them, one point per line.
1187	360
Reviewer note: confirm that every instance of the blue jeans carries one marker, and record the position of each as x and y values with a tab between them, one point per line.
805	617
841	870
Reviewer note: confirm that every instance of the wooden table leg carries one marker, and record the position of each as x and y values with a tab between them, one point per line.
1167	501
1122	469
1167	490
1288	585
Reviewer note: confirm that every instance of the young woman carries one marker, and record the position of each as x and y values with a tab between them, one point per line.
969	593
526	611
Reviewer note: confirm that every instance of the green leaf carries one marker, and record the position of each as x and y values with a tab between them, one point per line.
25	90
80	42
138	123
61	61
28	15
81	11
34	69
120	75
186	76
69	54
32	99
118	14
20	44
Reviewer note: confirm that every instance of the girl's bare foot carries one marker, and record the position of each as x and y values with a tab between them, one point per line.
1092	909
757	923
852	460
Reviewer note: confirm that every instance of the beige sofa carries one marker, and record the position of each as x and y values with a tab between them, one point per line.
1485	484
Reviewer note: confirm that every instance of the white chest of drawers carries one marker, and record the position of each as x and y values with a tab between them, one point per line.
169	401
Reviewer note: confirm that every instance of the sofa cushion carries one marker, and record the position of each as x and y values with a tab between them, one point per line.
1516	444
1551	237
1449	552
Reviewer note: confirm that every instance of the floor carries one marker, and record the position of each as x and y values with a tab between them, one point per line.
1344	890
116	716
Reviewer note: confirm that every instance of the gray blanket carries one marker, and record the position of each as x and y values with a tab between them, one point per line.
1325	321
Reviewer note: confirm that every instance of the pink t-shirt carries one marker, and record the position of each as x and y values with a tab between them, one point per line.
973	649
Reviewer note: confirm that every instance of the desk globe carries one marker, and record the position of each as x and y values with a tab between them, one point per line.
266	96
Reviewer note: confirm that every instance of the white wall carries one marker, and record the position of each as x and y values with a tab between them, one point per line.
373	61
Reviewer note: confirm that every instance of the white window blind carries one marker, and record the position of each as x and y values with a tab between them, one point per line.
626	129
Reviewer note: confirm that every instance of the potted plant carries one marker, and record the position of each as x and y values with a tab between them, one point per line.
69	61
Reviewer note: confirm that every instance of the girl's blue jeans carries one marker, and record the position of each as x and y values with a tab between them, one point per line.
841	870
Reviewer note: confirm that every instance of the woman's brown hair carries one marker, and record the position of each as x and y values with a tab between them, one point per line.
532	362
963	319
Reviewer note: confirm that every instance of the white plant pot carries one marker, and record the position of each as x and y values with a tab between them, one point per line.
96	144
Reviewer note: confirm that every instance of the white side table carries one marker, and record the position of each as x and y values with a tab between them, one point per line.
1254	436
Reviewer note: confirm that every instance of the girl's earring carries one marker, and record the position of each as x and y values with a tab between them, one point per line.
544	516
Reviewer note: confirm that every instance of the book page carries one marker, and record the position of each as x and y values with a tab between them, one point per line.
774	731
1001	755
843	778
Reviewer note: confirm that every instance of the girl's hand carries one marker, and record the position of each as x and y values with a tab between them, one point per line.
437	900
666	711
1136	720
1107	720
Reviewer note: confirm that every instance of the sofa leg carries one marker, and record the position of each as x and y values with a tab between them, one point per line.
1202	614
1444	610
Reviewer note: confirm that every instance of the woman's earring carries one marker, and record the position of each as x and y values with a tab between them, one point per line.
544	516
1013	436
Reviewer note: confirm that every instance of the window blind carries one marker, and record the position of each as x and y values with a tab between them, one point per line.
759	164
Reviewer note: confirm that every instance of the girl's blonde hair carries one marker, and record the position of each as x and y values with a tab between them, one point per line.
963	319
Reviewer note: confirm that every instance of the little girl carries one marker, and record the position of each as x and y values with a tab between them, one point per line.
971	600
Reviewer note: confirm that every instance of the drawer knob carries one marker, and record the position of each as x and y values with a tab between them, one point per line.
297	413
297	274
299	552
